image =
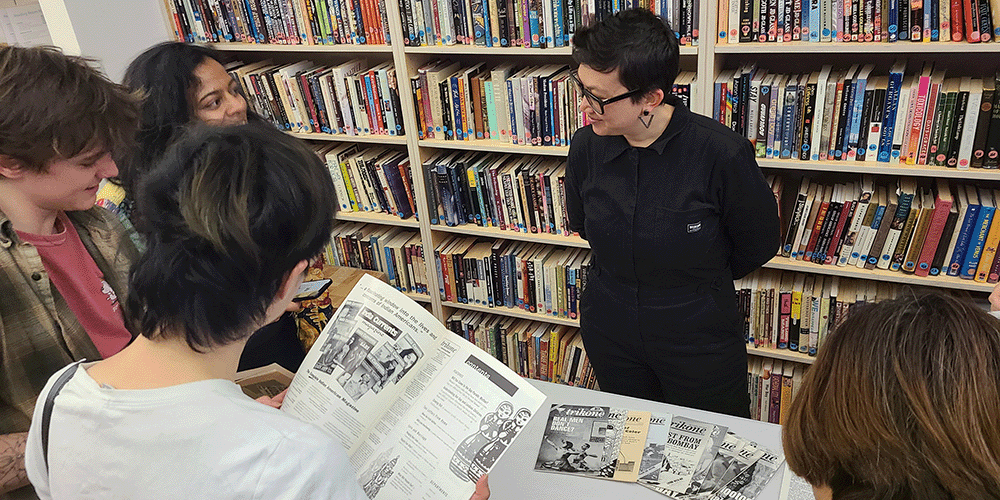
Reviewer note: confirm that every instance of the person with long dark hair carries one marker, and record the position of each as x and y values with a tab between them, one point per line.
232	217
182	85
674	208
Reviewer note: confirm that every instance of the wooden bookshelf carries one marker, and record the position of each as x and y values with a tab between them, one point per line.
398	140
378	218
787	264
495	147
876	168
493	232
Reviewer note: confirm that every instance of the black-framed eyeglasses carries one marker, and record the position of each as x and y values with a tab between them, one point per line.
596	102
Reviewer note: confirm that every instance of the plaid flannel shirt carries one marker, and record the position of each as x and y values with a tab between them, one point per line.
39	334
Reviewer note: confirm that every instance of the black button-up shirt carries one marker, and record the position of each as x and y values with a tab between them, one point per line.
691	207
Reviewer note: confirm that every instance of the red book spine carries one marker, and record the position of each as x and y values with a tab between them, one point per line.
971	20
956	21
774	411
835	240
816	229
941	209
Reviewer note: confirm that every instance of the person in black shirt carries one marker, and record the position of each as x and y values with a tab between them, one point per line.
674	207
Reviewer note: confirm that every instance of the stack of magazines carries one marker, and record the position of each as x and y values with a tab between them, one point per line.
677	456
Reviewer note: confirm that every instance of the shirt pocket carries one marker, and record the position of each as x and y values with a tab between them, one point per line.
682	239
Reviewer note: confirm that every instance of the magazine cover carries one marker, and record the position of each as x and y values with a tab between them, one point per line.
653	453
577	438
724	457
687	441
749	483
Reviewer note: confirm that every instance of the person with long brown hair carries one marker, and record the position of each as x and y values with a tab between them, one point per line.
903	402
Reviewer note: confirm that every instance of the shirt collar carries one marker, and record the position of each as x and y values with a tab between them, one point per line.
90	218
616	145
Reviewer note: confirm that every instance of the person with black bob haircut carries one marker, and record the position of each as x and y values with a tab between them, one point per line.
674	208
184	84
232	217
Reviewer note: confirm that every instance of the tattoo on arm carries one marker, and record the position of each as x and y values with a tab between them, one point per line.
12	472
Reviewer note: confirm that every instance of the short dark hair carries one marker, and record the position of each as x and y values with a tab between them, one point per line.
639	44
902	402
164	74
56	106
227	214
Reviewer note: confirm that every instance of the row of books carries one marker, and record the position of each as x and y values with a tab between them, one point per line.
745	21
393	250
527	23
853	115
532	106
919	229
291	22
352	98
532	349
375	179
772	385
511	192
532	277
795	311
535	106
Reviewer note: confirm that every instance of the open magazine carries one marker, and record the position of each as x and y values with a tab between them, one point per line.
421	412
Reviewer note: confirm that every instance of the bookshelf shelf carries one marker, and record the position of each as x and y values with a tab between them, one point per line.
495	147
374	139
870	167
344	48
783	354
378	218
878	274
517	313
492	232
857	48
419	297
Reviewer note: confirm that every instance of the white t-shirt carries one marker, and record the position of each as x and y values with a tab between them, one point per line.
203	439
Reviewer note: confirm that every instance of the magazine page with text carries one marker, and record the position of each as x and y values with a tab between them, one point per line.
422	412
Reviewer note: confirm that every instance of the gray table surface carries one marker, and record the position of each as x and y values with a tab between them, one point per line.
514	477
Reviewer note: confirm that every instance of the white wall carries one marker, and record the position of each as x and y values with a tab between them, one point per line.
112	31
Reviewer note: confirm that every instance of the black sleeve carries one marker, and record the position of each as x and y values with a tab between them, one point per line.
576	169
749	212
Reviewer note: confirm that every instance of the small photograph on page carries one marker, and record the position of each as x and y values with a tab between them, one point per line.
391	361
358	381
340	329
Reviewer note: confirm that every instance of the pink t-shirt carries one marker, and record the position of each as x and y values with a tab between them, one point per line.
75	274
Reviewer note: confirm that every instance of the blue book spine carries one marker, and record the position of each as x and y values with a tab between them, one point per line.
359	29
513	112
976	243
253	26
486	24
557	23
876	223
889	116
814	21
962	243
842	148
390	270
456	105
893	25
533	26
372	102
859	101
788	119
